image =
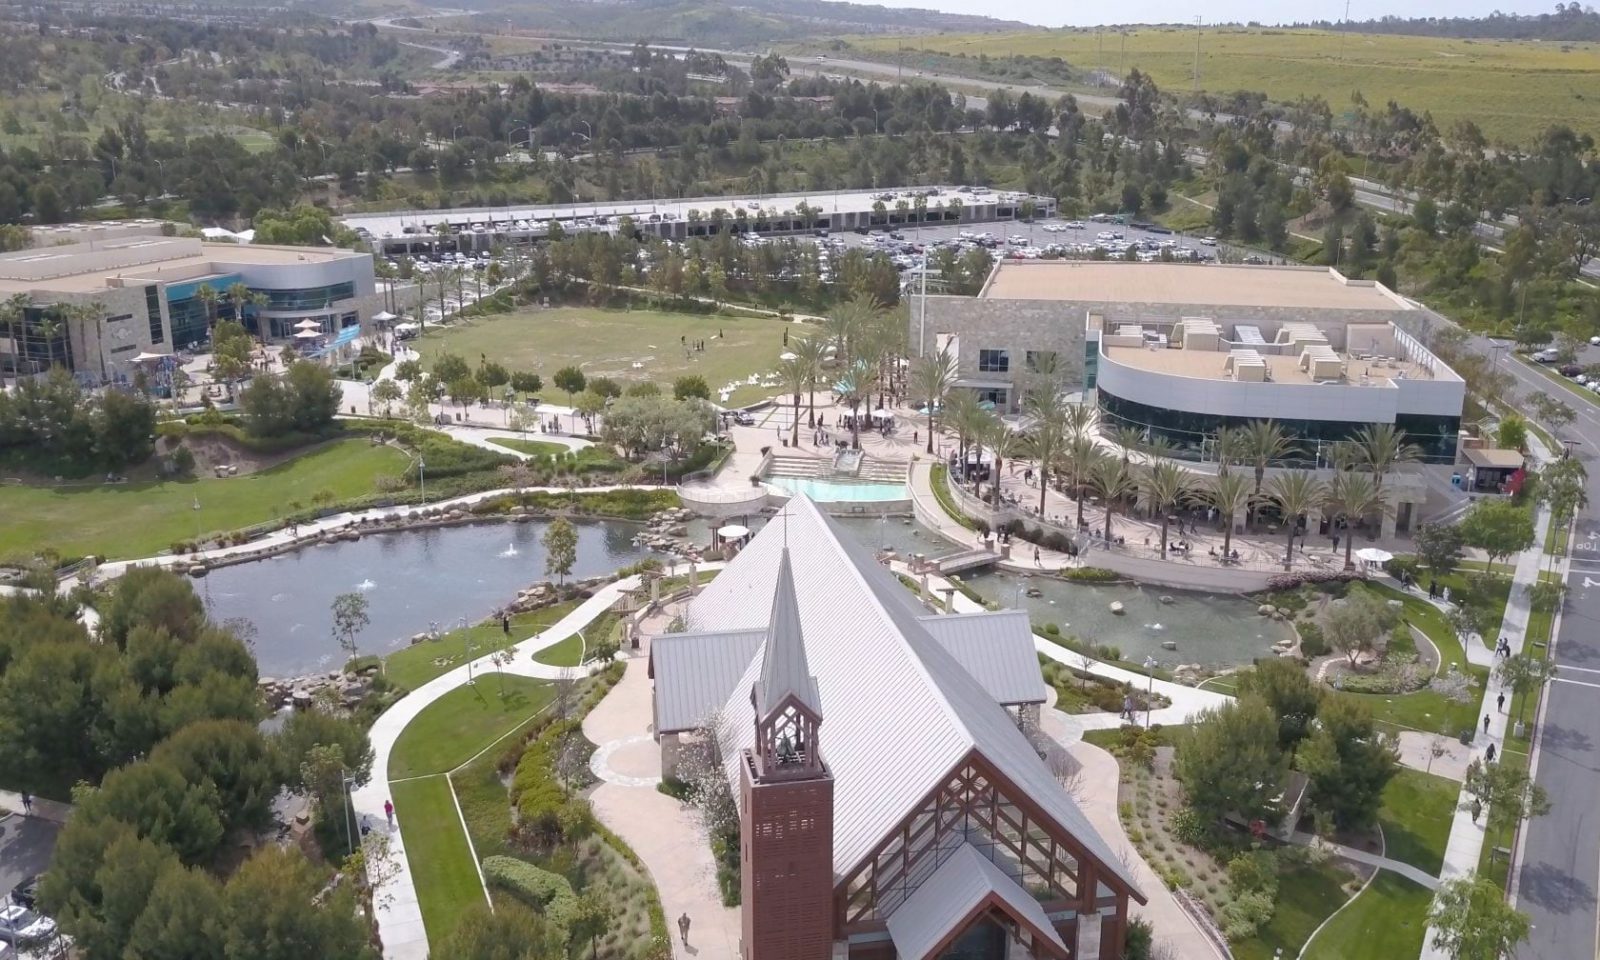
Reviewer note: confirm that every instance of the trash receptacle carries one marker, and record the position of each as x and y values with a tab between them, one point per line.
1466	736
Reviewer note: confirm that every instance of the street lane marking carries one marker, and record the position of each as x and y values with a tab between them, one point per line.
1584	669
1580	683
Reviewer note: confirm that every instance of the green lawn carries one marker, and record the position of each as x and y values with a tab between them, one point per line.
567	653
537	448
416	665
1425	709
1388	919
457	726
442	867
625	345
141	519
1306	896
1416	815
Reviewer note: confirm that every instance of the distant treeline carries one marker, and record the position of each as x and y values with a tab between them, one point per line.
1569	21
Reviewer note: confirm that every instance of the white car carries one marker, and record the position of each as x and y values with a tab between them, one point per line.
1595	341
1208	241
1075	225
19	925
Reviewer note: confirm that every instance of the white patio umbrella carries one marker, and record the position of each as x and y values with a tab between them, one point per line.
733	531
786	355
1374	555
308	324
148	357
384	316
307	335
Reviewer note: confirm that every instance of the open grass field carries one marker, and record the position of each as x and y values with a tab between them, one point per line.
1511	89
441	861
141	519
1388	919
628	346
457	726
1416	815
537	448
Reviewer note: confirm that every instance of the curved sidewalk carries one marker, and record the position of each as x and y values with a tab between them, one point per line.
395	903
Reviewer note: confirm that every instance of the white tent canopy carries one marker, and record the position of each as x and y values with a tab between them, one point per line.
148	357
384	316
308	324
1374	555
307	335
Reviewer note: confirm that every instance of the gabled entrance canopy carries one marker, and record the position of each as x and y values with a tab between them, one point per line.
965	888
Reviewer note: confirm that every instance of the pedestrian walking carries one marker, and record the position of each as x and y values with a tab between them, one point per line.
1036	561
683	928
1127	707
1486	723
1490	754
505	625
27	803
388	812
1500	701
1477	810
1336	541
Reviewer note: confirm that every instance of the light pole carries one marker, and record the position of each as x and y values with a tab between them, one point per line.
422	477
345	780
1150	687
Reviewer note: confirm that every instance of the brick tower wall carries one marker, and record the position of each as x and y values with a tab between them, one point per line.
786	868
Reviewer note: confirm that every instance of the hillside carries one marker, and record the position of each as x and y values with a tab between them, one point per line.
717	23
1513	90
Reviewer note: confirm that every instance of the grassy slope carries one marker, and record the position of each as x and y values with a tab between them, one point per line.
461	723
608	342
141	519
1388	919
1510	89
1416	816
538	448
415	665
1306	896
441	862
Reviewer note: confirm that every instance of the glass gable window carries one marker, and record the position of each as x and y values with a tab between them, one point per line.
152	309
994	361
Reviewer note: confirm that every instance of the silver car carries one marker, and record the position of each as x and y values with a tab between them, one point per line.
19	925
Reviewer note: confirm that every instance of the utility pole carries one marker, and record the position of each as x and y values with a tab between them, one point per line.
1344	31
1197	56
1122	59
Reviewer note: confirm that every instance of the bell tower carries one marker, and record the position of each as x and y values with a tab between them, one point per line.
786	793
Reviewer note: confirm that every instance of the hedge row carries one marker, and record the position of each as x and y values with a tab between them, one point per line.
550	893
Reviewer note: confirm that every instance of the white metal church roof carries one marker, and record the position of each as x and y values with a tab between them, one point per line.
898	710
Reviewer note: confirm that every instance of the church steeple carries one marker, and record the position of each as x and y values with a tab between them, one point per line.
788	709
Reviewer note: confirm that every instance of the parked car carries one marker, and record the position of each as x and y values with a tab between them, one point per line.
19	925
743	419
1545	356
26	893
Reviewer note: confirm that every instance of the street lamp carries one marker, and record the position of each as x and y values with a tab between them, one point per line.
1150	687
422	477
345	781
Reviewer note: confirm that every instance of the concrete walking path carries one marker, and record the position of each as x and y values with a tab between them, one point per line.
1467	836
1413	873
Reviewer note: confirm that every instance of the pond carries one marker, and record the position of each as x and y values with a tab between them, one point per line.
411	578
1216	630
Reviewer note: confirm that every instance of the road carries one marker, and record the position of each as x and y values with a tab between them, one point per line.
1559	873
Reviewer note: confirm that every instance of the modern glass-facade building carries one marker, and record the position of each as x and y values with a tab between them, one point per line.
128	289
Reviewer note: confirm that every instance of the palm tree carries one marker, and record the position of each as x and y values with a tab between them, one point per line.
1162	486
960	413
1114	481
1353	495
209	298
982	424
1379	447
1262	442
1079	454
1229	447
12	312
793	376
809	353
1295	492
1051	416
51	322
1129	438
1005	443
931	379
1230	493
855	387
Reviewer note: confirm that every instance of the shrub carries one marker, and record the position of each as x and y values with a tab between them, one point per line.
1319	578
1189	827
548	892
1243	916
1052	630
1312	642
1093	575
